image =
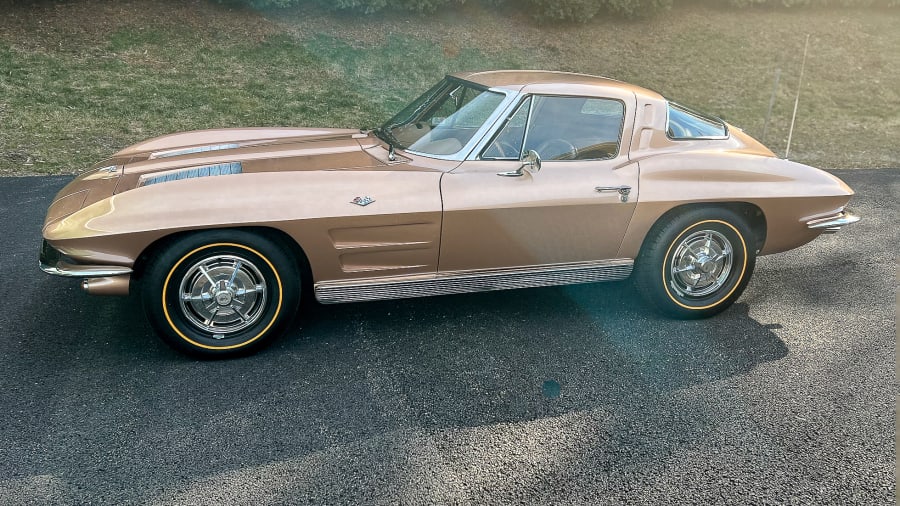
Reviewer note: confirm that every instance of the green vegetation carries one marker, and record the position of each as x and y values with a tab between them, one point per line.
80	80
558	10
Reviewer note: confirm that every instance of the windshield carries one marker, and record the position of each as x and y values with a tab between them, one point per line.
443	119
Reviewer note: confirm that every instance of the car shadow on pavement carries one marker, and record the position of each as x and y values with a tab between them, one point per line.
512	355
105	389
443	361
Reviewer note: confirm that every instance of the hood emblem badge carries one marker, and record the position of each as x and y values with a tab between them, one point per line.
362	201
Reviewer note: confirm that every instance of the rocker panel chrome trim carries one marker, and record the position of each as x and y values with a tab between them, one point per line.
403	287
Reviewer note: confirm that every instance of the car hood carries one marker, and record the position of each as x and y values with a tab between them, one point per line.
167	145
256	149
253	150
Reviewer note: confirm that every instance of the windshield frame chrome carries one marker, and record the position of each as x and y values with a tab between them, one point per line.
509	97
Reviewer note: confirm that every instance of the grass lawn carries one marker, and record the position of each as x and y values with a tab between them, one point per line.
81	79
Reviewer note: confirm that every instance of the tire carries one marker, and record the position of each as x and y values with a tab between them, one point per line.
697	263
221	293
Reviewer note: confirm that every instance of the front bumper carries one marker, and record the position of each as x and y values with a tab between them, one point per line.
834	222
53	262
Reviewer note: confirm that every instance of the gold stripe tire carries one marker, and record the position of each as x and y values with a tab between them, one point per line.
220	293
695	264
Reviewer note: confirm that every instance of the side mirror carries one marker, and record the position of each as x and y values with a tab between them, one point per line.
531	162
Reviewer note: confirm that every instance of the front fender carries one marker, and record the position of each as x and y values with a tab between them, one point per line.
341	239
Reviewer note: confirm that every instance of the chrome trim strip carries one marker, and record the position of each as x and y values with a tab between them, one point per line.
505	110
486	128
84	271
344	246
528	123
402	287
833	223
197	149
51	262
696	112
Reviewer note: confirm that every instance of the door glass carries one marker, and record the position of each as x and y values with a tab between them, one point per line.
575	128
508	143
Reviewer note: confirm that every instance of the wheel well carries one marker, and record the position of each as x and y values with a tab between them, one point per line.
756	219
143	260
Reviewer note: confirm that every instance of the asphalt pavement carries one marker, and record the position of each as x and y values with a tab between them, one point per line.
571	395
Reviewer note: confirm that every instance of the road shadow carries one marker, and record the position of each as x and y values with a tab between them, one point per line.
444	361
109	389
512	355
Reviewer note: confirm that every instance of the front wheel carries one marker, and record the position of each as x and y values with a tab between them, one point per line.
696	264
221	292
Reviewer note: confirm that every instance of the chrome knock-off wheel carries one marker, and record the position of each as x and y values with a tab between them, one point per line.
696	263
701	263
223	294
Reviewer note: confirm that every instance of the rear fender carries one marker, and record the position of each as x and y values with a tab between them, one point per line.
787	193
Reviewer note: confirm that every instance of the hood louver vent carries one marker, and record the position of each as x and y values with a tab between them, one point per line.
198	149
222	169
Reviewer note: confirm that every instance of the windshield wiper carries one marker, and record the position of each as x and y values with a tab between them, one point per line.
388	137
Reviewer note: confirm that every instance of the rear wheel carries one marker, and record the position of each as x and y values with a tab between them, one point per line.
697	263
221	292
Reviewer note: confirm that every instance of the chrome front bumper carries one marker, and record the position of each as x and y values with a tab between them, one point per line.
832	223
52	262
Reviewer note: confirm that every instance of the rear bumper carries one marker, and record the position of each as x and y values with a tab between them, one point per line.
53	262
832	223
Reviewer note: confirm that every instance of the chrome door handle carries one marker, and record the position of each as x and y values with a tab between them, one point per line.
623	191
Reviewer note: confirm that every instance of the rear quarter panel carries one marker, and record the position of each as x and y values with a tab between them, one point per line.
788	193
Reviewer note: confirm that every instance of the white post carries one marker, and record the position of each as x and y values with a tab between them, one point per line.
787	151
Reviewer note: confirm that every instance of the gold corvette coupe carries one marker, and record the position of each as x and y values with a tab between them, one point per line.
488	181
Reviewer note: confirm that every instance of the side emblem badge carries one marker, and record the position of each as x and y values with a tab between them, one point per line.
362	201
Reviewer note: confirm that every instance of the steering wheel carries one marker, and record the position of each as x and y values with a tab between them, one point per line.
557	149
504	149
677	131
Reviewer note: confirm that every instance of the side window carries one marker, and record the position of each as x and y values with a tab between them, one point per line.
685	123
508	143
561	128
575	128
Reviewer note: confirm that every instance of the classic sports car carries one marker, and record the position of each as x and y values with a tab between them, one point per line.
488	181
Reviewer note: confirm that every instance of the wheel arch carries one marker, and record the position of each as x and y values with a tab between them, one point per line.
670	290
756	219
143	259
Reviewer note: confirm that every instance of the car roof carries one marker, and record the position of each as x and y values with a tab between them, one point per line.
517	79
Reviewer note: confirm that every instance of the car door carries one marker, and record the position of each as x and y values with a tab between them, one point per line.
575	209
